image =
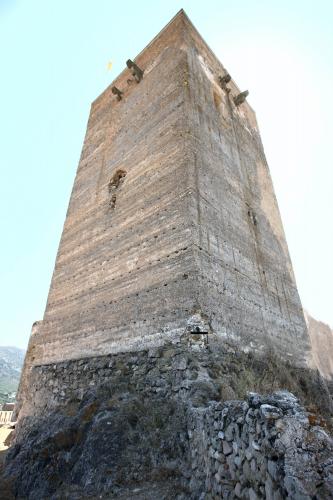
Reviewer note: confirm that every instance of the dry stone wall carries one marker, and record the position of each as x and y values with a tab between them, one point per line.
263	447
172	422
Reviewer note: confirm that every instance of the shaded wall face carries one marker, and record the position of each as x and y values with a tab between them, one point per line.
125	265
321	336
246	280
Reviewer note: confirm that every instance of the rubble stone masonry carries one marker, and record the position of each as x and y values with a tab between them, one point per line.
173	422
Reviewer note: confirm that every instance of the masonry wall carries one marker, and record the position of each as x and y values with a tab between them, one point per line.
321	336
173	422
127	268
246	282
191	229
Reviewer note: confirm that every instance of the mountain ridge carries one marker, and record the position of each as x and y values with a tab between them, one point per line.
11	362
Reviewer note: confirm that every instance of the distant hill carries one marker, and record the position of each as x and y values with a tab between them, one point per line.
11	362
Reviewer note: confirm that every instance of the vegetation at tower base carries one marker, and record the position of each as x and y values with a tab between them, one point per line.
174	422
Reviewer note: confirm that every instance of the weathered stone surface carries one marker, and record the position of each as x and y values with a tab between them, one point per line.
270	412
172	294
227	449
172	222
119	426
321	337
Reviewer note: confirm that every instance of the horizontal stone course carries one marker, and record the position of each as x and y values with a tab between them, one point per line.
196	198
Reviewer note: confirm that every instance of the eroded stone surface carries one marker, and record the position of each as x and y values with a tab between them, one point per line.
172	264
120	426
321	336
172	217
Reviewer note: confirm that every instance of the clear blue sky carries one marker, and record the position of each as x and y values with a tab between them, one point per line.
53	64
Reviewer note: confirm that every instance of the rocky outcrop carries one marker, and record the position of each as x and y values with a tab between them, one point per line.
321	336
173	422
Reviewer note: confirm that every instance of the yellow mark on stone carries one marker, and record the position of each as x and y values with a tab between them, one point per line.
109	66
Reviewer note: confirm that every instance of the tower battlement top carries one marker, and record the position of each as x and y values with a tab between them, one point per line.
179	31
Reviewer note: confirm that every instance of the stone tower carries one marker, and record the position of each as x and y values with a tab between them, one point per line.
172	265
172	227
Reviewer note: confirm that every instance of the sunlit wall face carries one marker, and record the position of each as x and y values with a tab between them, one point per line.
289	74
55	63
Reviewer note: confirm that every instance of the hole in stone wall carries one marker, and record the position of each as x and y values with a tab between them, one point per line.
197	331
117	179
113	201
